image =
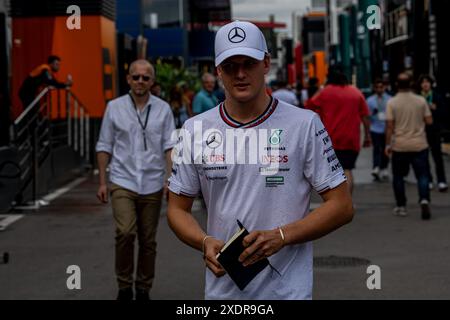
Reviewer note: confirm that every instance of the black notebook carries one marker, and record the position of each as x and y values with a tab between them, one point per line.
229	255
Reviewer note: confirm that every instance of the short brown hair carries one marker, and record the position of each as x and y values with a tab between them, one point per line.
403	81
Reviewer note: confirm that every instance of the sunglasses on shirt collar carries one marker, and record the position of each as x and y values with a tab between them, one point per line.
138	76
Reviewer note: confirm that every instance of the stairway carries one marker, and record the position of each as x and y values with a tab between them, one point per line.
46	150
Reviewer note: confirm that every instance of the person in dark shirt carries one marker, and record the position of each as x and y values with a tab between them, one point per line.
437	107
42	75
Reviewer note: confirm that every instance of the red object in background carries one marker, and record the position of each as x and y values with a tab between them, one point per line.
298	53
87	54
341	109
291	74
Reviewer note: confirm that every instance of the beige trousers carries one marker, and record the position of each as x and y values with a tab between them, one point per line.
135	215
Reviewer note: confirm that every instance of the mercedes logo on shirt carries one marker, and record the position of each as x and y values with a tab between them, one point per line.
236	35
214	140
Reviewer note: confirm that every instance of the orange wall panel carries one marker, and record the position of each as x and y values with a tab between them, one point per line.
80	51
81	55
32	44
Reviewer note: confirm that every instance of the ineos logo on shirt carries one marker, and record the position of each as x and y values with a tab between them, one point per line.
266	159
236	35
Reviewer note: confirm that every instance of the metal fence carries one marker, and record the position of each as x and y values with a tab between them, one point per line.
45	125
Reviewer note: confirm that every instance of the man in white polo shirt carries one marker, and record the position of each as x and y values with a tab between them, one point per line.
135	141
265	180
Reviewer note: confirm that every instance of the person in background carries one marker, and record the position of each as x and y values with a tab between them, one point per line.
178	105
406	116
342	108
313	87
205	99
219	91
135	141
310	91
155	90
298	92
377	106
188	97
283	93
433	131
43	75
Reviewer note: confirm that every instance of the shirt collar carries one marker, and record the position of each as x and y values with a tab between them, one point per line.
253	123
149	101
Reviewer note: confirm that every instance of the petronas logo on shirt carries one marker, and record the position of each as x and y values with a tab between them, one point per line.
275	138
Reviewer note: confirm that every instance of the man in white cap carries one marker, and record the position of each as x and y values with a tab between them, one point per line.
272	202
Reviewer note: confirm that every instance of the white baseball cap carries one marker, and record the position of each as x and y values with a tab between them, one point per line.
239	38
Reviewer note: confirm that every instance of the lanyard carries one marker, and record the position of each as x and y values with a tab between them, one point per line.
143	126
428	96
380	103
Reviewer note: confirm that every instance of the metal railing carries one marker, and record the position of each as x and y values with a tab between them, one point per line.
43	126
77	127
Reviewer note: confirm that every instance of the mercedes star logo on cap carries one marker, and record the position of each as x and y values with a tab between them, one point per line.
236	35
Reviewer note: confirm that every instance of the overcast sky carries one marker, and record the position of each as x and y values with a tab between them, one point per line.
261	9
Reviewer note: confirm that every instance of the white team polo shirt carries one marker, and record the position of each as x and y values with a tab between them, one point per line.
294	156
133	166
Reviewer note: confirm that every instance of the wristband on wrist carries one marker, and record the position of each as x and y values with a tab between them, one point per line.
281	234
203	243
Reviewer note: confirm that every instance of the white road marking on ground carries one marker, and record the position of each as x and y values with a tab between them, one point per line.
8	219
45	201
52	196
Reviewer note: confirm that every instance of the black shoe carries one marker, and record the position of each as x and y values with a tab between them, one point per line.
142	295
125	294
426	214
